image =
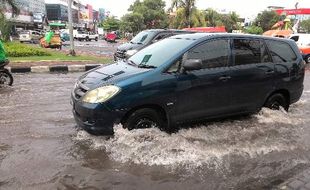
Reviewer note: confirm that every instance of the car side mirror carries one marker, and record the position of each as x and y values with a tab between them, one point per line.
192	64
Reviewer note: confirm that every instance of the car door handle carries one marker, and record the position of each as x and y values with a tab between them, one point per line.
224	78
269	72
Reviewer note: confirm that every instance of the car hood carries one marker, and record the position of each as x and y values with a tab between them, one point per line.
110	74
129	46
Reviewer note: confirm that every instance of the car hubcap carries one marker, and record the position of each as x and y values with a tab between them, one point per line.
145	123
275	105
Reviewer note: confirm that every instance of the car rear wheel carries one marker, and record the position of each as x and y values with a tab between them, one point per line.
276	101
144	118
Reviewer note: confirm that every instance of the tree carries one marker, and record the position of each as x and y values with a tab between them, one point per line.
266	19
254	30
110	24
145	14
305	25
187	8
132	23
213	18
152	11
11	4
197	19
231	21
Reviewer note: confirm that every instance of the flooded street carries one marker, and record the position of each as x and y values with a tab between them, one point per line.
40	147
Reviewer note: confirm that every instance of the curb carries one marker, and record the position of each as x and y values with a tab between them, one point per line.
54	68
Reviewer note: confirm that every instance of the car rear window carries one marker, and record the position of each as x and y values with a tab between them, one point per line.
281	51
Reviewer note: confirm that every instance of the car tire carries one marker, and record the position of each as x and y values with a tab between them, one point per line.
144	118
96	39
275	101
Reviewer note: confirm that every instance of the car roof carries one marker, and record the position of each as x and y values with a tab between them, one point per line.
204	36
169	30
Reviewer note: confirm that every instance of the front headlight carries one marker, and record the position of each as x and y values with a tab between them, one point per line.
101	94
130	53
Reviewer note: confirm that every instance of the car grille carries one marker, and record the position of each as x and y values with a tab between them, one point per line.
80	90
120	54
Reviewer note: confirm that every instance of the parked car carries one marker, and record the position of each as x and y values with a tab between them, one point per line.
303	43
144	39
93	36
29	36
188	78
110	37
64	36
81	35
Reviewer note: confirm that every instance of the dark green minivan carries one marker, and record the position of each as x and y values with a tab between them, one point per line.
190	77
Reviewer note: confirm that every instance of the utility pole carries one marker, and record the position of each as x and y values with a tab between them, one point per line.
72	52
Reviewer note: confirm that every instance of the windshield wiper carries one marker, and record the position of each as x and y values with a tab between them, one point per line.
130	62
147	66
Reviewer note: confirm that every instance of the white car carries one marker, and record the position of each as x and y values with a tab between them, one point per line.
81	35
93	36
29	36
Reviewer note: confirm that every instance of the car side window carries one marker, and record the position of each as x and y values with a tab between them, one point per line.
265	56
213	53
281	51
246	51
159	37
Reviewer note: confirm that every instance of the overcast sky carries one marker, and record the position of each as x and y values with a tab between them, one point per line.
245	8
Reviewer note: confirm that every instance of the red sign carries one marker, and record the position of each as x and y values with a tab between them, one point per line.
293	11
207	29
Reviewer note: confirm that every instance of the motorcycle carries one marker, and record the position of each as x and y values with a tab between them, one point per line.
6	78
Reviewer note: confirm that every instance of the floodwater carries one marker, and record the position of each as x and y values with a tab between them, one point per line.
40	147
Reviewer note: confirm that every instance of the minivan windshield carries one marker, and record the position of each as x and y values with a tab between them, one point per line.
156	54
143	37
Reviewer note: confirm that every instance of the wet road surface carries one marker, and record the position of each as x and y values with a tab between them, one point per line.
40	147
99	48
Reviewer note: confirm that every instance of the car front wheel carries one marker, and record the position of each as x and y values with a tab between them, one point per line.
144	118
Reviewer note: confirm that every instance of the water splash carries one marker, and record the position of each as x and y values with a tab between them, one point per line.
202	146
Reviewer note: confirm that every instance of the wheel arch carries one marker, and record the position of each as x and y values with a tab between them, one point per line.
284	92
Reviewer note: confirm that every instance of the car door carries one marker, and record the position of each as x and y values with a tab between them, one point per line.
205	92
252	74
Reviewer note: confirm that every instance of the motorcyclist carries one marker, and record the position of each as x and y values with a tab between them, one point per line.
3	58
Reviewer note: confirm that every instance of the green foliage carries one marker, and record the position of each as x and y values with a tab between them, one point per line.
145	14
5	28
186	11
132	23
197	19
12	4
305	25
213	18
110	24
267	19
254	30
230	21
14	49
